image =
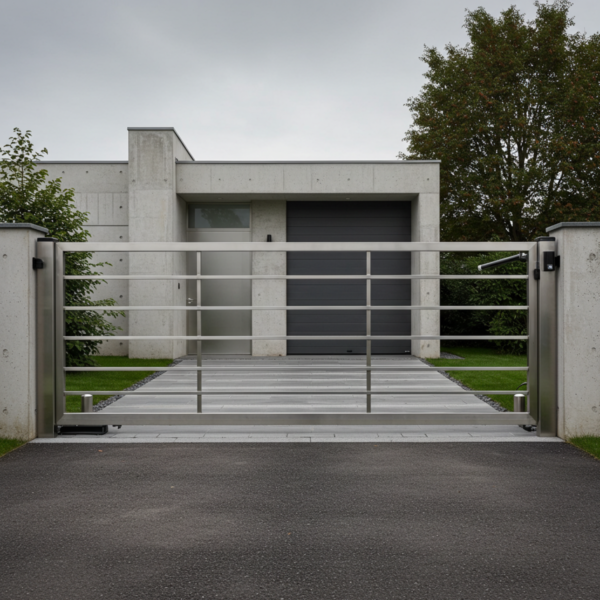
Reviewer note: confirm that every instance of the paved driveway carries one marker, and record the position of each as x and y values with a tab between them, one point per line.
272	521
307	375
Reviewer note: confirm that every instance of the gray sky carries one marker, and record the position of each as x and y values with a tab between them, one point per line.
238	79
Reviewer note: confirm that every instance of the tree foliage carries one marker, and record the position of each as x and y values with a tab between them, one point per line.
514	117
484	292
28	196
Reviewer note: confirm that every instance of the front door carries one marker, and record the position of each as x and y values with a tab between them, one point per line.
221	293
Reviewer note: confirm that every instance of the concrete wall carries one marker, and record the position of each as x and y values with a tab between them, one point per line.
156	215
358	180
425	292
18	330
578	333
269	218
101	189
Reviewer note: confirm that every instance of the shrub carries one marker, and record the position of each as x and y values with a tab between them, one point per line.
484	292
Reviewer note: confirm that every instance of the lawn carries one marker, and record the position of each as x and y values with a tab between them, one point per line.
7	444
486	380
107	380
589	443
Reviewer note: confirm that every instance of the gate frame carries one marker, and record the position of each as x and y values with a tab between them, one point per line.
542	350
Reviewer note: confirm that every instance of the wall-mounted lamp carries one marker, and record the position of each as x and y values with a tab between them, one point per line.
269	238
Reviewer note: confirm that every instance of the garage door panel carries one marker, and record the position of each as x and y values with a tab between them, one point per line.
326	347
348	222
348	263
333	211
364	233
327	293
383	318
394	294
326	316
314	263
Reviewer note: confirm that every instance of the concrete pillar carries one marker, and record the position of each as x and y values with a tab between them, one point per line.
425	292
578	328
18	330
269	218
156	214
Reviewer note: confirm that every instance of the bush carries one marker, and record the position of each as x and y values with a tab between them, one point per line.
484	292
27	196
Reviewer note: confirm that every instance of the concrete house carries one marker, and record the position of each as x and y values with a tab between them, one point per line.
161	194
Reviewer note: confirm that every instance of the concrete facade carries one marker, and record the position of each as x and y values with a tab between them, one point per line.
425	215
269	218
578	328
156	214
18	330
146	199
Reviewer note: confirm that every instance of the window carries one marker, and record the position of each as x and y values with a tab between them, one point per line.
219	216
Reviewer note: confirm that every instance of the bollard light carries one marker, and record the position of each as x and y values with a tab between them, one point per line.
87	403
519	403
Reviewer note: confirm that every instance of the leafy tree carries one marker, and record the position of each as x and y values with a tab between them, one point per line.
28	196
484	292
514	117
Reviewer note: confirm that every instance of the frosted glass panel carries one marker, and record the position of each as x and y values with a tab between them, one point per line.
219	216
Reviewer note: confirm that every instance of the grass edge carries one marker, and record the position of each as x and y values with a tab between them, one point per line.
573	442
19	443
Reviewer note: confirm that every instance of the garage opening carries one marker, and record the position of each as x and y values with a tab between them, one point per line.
347	221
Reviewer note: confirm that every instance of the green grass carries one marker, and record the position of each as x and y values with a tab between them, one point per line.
8	444
588	443
486	380
107	380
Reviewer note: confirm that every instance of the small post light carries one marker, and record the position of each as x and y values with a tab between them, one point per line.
87	403
519	403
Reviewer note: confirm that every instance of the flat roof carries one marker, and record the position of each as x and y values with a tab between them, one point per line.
249	162
81	162
573	224
305	162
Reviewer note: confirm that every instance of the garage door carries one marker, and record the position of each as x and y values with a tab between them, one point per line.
347	222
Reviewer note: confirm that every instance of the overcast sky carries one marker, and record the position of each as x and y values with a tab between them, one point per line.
238	79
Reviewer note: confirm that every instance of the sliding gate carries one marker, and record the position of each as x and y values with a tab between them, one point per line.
541	337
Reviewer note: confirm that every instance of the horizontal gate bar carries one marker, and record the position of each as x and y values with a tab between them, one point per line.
294	337
295	246
294	277
351	367
102	418
205	308
286	391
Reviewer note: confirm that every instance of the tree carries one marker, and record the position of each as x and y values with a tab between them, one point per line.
28	196
514	117
484	292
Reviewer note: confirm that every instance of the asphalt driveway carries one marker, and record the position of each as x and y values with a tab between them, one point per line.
273	521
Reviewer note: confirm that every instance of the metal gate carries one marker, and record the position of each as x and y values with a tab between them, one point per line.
541	338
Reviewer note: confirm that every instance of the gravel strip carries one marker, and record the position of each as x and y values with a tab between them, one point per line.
486	399
138	384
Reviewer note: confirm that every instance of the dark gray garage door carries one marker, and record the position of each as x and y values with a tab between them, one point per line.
347	222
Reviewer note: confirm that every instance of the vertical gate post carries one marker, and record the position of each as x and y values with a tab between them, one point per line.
532	331
368	378
199	332
60	345
45	392
546	338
